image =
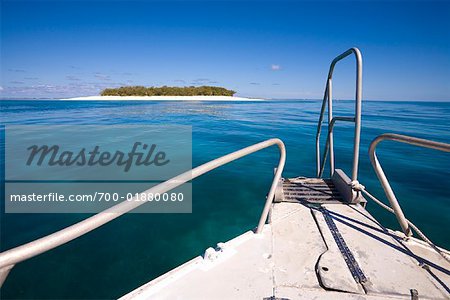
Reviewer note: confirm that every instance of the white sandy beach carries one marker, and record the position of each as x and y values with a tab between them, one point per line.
168	98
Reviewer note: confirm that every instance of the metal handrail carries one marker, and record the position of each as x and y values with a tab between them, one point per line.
13	256
327	98
382	177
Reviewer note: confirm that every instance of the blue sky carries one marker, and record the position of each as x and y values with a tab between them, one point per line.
270	49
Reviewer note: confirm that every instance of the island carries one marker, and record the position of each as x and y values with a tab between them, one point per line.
168	91
193	93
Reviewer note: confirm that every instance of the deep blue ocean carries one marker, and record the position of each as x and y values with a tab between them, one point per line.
130	251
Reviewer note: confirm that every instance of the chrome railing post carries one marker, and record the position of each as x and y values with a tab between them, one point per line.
330	128
270	196
382	176
358	105
319	128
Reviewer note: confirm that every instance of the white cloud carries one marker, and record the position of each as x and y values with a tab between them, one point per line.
275	67
72	78
74	88
101	76
1	88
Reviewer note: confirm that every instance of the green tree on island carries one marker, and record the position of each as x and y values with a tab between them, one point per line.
168	91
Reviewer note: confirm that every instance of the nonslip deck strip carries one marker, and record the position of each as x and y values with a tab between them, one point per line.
350	260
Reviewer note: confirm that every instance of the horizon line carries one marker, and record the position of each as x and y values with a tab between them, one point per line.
269	99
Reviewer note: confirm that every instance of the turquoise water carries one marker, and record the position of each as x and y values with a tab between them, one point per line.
136	248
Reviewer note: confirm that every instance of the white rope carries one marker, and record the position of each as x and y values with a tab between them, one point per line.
359	187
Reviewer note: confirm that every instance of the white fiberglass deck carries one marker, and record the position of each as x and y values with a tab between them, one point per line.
297	257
